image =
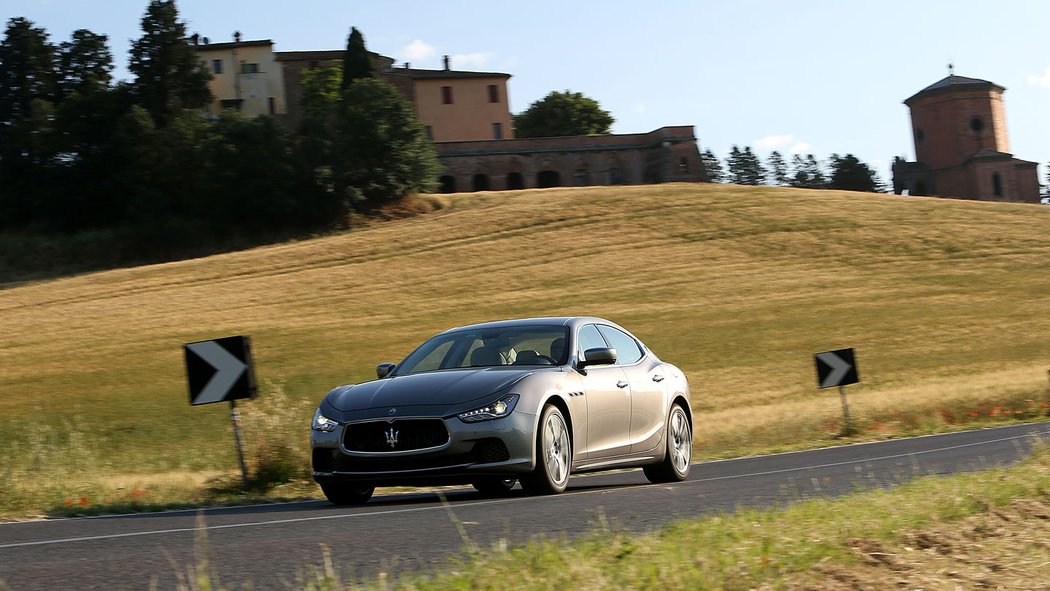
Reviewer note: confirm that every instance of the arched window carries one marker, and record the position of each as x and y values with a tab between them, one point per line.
515	181
448	184
481	182
997	185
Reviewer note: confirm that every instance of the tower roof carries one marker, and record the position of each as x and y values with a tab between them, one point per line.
953	83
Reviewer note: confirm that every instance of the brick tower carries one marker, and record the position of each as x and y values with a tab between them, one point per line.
961	145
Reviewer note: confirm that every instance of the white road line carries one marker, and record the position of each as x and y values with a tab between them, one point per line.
495	501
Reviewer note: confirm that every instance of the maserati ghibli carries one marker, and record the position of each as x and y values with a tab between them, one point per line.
529	401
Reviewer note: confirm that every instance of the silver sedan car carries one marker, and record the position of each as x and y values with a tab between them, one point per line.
531	400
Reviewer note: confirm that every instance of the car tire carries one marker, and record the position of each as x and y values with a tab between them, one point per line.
675	465
347	494
494	486
553	455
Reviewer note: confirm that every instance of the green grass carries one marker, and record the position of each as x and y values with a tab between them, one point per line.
943	301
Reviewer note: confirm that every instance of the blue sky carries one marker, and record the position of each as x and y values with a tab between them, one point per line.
806	76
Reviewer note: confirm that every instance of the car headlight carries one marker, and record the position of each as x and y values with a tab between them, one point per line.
323	423
495	410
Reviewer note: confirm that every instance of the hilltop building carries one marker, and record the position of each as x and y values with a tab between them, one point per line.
467	116
961	145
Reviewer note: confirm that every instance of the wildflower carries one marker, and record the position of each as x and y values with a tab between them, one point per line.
68	502
136	494
84	501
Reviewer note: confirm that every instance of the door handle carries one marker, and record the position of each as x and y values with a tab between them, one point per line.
621	384
658	378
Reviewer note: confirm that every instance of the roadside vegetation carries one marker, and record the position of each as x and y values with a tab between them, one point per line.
740	286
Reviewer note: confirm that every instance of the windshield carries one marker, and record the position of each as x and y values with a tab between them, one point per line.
486	347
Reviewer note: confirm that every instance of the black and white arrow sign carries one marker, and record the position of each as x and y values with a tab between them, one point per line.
220	370
836	368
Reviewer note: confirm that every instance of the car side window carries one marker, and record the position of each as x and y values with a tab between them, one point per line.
589	338
627	349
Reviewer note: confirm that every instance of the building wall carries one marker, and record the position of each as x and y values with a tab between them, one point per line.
668	154
471	114
942	130
261	92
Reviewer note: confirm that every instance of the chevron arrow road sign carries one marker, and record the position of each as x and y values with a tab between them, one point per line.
220	370
836	368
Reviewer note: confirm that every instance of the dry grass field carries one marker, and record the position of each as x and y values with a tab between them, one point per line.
944	301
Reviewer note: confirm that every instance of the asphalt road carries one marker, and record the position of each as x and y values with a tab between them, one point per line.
270	545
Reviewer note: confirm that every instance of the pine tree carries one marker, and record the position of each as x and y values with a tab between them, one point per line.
712	167
357	63
744	167
27	71
778	171
169	77
84	64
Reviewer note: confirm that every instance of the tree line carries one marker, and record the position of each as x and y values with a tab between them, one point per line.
744	167
138	167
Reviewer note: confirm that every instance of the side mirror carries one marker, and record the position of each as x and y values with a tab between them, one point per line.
597	356
384	369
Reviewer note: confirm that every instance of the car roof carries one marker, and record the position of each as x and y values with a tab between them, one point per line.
570	321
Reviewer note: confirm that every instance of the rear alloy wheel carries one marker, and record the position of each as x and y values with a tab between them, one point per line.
675	465
347	494
494	486
553	455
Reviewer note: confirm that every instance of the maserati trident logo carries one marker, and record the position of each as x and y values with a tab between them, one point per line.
391	437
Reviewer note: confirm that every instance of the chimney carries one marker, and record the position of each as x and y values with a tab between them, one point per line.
407	65
446	63
237	36
195	38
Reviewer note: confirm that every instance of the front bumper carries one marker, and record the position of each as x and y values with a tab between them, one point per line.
499	447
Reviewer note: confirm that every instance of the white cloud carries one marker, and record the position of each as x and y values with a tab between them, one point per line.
640	108
418	50
784	143
466	61
1041	81
773	142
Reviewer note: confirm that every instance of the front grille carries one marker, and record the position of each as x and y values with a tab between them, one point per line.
399	435
484	451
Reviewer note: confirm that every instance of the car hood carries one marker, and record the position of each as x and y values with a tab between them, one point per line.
448	388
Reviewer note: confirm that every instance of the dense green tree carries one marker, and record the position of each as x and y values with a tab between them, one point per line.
712	167
850	174
744	167
807	173
85	64
778	170
250	178
27	70
563	114
358	62
381	152
169	77
321	90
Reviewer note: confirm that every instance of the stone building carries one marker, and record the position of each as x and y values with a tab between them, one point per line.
664	155
467	116
961	145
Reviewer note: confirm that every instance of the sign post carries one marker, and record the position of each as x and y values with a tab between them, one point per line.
838	368
221	370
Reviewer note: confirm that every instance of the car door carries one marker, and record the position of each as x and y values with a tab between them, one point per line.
608	394
648	395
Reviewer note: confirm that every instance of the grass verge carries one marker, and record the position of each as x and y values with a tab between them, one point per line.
982	530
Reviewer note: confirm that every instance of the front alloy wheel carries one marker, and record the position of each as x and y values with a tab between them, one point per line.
553	455
675	465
